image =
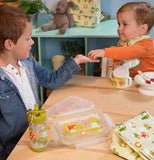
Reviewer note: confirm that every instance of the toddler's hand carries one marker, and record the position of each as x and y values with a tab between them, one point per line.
83	59
94	54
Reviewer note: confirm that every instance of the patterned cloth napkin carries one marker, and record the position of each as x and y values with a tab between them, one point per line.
134	139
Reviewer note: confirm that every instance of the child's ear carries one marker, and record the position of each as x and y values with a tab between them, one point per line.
8	44
144	28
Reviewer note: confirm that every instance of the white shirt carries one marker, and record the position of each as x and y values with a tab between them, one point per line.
22	83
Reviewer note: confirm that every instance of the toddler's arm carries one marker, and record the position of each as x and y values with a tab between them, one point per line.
94	54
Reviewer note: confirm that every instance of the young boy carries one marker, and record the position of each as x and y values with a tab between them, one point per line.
135	21
20	76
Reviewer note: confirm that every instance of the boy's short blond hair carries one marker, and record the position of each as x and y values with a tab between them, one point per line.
144	13
12	24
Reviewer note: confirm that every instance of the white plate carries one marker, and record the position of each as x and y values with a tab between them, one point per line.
146	92
147	89
139	79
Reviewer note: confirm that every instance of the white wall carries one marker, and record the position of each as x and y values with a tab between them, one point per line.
112	6
51	4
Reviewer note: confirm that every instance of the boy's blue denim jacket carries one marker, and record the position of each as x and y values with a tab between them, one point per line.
13	113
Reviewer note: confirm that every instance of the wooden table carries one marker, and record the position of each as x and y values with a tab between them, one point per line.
119	104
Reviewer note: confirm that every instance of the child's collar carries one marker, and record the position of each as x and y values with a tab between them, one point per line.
133	62
131	42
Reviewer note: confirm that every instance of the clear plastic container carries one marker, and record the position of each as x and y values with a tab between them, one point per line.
69	105
75	121
81	129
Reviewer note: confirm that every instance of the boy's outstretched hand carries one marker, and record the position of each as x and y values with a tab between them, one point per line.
79	59
94	54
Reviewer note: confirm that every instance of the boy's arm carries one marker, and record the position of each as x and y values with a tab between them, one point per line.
138	50
54	80
2	153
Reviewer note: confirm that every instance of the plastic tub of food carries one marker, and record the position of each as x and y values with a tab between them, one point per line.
81	129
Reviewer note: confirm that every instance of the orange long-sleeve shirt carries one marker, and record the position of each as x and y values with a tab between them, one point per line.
144	50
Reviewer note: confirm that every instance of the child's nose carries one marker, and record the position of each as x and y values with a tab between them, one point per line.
120	28
31	42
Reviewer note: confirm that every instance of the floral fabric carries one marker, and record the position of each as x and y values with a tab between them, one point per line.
134	139
88	13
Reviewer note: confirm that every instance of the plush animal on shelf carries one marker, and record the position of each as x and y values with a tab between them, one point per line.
62	18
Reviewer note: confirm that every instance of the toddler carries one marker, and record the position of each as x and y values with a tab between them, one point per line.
20	75
135	21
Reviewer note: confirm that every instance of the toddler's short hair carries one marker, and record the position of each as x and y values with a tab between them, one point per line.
12	24
144	13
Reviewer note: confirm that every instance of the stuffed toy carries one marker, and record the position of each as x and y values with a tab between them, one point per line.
62	18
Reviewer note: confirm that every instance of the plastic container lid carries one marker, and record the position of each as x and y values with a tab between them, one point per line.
81	129
69	105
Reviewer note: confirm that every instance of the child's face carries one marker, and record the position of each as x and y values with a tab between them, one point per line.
22	49
128	27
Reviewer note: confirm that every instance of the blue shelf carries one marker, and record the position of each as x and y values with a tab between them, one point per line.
104	29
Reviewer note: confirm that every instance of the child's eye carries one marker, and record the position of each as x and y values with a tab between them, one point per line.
125	24
28	39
